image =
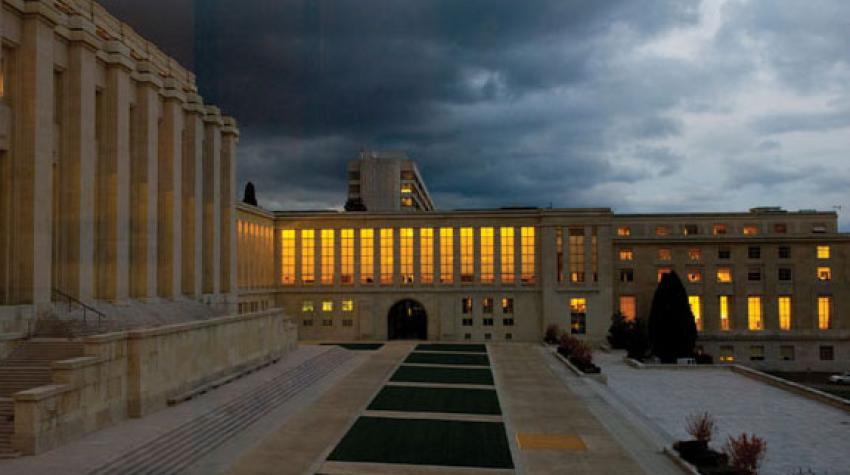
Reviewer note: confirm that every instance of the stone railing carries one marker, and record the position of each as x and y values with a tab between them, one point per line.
131	374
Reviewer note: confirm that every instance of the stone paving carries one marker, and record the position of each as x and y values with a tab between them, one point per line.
800	433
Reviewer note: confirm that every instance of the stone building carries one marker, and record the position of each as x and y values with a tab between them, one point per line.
116	180
387	181
767	287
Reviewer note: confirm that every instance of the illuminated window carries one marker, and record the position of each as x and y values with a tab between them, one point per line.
624	231
527	255
407	201
559	253
823	252
694	275
347	305
327	306
386	236
327	256
824	273
690	230
346	269
466	305
447	257
751	230
662	231
784	304
487	305
754	320
308	256
487	255
626	254
695	302
724	275
507	244
367	256
287	256
727	354
307	306
665	254
662	271
694	254
507	305
576	239
628	307
406	255
406	188
467	258
426	255
824	312
718	229
578	316
724	312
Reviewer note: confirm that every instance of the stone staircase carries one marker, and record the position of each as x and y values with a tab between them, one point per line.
27	367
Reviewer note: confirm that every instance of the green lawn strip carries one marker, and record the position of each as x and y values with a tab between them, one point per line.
425	442
451	347
357	346
452	400
449	359
425	374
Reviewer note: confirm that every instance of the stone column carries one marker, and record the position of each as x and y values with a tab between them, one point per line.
143	177
31	252
417	256
497	256
227	203
112	246
170	210
81	150
212	197
192	191
588	266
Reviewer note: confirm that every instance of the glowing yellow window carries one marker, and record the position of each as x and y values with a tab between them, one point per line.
508	270
348	305
577	252
724	312
406	255
624	231
754	320
824	312
307	306
527	255
694	275
327	257
751	230
487	258
467	262
308	256
695	302
287	256
784	304
387	255
694	254
823	252
578	305
626	255
346	265
407	188
662	271
447	257
724	275
628	307
327	306
665	254
718	229
824	273
407	201
426	255
727	354
367	256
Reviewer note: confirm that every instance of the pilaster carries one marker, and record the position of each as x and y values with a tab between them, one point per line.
227	200
211	198
170	210
192	191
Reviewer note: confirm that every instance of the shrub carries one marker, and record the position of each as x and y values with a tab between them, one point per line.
567	344
672	330
618	333
703	358
701	426
552	334
745	452
637	340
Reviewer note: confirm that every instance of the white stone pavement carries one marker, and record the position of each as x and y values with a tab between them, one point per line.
800	433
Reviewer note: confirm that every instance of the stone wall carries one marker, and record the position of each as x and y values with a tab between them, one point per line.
131	374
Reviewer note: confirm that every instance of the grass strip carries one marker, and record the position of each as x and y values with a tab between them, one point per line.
456	347
473	359
425	374
451	400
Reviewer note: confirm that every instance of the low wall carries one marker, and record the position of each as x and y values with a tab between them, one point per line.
130	374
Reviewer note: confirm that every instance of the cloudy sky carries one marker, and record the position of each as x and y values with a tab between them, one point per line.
642	106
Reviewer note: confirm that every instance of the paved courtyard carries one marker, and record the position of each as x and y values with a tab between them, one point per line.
800	433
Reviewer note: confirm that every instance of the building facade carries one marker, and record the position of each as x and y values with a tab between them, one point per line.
116	180
387	181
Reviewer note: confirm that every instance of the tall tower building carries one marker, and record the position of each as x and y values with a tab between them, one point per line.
387	181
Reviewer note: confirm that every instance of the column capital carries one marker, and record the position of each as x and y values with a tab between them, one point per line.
230	127
43	11
118	55
171	90
213	115
146	75
194	104
83	32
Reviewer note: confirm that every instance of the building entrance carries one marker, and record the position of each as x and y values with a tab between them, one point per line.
407	320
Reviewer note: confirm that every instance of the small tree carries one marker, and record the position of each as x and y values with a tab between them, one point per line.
618	333
701	426
355	204
250	197
553	333
746	452
672	331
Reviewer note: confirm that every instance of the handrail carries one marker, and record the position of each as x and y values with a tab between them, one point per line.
86	308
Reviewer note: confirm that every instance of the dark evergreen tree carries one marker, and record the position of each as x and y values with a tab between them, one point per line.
355	204
637	340
618	333
672	331
250	195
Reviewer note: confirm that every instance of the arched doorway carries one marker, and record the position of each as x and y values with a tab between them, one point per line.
407	320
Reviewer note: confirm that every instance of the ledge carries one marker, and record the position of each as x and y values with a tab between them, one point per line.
678	460
76	363
42	392
183	327
599	377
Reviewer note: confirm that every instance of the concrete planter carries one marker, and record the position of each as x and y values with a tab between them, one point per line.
599	377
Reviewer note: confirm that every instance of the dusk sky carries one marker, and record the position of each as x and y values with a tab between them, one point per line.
642	106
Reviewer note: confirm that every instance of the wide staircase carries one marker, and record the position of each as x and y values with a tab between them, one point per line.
27	367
